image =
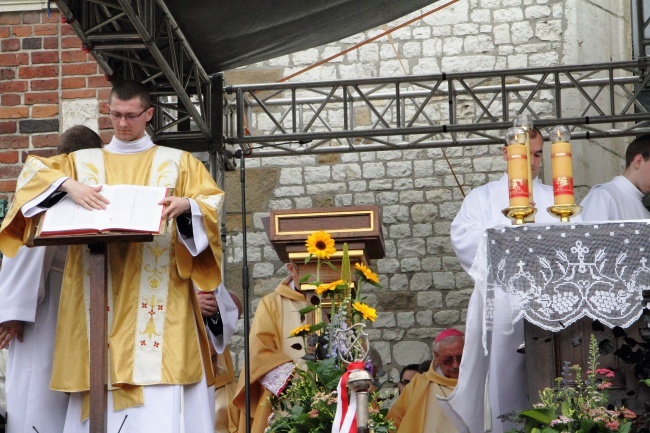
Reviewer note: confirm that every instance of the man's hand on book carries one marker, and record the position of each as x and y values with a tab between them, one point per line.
174	206
85	196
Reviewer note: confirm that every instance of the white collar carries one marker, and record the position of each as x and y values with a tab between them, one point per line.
118	146
627	185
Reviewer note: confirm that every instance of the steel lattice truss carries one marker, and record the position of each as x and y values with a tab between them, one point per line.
139	39
442	110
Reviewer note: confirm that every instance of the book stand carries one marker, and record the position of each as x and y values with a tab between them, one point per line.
98	311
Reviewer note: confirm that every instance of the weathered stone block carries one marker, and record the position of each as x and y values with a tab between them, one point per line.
385	320
405	319
398	282
422	230
411	352
398	231
431	300
458	298
263	270
424	318
424	212
444	280
448	317
410	264
384	198
421	281
373	170
380	184
387	266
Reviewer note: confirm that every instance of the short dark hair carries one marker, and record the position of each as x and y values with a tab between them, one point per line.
78	137
424	366
130	89
640	146
535	132
413	367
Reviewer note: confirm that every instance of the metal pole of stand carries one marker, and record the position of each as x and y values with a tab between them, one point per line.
245	286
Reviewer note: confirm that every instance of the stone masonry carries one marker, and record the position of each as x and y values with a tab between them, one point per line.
48	83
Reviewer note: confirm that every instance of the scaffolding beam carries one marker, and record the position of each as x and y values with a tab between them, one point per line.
454	109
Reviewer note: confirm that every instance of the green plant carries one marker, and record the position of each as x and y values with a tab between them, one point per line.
577	404
309	402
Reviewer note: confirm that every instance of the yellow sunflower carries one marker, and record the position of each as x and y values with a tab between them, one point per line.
300	331
328	287
320	244
366	311
367	273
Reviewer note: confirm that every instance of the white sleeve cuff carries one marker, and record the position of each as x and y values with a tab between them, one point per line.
199	240
277	379
32	207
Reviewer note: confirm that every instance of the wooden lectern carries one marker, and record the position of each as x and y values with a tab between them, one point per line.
98	302
358	226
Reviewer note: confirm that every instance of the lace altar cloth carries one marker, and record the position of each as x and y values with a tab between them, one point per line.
553	275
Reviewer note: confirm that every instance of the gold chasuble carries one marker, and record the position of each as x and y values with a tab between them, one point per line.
270	347
155	332
417	409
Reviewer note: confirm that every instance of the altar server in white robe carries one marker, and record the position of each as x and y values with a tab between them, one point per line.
30	287
481	210
620	198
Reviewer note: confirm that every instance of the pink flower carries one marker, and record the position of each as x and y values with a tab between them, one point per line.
612	425
604	385
605	372
627	413
313	413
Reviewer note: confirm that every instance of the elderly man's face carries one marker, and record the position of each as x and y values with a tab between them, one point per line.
448	357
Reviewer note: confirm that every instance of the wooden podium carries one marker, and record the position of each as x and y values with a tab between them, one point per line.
98	312
358	226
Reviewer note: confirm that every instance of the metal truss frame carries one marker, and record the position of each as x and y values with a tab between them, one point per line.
455	109
139	39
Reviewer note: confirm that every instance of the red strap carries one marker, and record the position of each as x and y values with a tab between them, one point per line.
344	392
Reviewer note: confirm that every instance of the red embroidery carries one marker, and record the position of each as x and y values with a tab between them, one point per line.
143	343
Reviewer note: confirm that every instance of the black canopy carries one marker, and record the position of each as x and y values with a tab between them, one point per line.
225	34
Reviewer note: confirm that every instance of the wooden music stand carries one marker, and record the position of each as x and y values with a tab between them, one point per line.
98	301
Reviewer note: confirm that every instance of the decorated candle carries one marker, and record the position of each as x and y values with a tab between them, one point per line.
517	154
523	120
561	165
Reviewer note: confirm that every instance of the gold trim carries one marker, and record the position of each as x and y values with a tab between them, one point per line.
336	255
371	213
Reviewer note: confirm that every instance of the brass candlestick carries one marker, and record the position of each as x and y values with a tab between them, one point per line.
520	214
564	211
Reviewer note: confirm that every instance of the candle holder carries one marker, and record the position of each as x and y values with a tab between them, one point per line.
564	211
520	214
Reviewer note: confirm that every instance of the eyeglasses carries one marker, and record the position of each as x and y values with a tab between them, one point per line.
448	360
129	117
404	382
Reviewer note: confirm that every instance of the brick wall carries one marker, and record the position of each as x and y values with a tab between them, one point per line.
42	65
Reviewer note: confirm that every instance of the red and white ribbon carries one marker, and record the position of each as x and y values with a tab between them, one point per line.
345	420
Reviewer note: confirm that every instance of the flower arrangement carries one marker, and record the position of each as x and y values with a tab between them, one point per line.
309	403
577	404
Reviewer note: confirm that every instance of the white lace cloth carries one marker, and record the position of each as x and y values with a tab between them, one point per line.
277	379
553	275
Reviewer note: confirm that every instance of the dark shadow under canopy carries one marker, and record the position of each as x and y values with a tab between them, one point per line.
228	34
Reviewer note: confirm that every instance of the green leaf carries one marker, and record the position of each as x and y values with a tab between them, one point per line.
566	409
545	416
625	428
317	327
304	279
646	381
308	309
308	259
328	263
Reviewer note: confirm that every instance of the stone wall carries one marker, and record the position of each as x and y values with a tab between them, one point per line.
424	288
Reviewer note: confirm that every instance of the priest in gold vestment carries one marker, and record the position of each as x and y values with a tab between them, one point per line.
159	361
417	409
272	357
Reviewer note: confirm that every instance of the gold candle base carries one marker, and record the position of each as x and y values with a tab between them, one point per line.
564	211
520	214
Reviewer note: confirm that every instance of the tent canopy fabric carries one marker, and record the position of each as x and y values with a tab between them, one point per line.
228	34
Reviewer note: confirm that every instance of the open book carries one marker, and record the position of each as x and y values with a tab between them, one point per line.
132	208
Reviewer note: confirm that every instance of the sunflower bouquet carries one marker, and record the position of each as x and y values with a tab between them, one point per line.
309	402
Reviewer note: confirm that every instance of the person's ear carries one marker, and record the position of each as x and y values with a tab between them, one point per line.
504	149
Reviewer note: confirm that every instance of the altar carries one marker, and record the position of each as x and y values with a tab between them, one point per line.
552	276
